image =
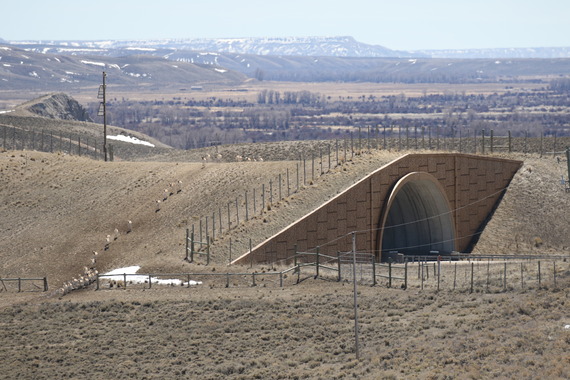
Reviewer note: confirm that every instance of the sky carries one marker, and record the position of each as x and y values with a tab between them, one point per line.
395	24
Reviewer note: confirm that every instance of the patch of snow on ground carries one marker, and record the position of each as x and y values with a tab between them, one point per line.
141	279
93	63
221	70
130	139
140	49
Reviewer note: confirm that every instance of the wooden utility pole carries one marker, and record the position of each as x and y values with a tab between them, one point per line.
103	112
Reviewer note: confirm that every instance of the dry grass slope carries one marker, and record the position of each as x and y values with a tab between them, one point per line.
57	209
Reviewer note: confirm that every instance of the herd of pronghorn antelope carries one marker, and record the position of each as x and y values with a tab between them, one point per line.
89	274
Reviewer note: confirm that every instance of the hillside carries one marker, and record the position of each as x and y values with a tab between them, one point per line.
35	71
55	106
58	209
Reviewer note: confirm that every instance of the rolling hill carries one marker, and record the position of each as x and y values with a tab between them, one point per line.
22	69
180	64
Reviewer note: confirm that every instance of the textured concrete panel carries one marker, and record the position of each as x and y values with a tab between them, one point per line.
472	184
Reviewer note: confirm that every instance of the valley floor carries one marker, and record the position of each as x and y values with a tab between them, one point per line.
304	331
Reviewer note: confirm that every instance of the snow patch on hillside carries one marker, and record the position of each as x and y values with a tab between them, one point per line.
130	139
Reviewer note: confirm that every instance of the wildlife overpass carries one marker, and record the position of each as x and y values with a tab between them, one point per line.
419	204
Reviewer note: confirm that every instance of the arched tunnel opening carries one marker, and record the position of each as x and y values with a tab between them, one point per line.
418	219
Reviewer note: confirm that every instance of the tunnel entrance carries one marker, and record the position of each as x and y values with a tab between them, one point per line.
417	219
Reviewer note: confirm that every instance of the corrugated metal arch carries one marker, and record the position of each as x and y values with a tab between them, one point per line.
417	218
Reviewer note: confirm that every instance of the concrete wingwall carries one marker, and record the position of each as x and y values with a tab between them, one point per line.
472	185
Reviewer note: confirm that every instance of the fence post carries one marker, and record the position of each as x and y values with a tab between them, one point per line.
295	256
373	271
554	264
288	187
405	275
19	284
149	281
320	161
522	277
438	272
454	275
97	280
207	250
390	274
192	247
297	164
250	255
304	173
492	133
339	266
422	277
46	284
246	208
280	279
539	275
505	276
125	281
220	217
229	217
472	269
200	234
482	141
488	274
237	212
186	245
214	225
318	263
313	167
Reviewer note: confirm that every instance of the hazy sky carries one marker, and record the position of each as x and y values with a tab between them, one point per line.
396	24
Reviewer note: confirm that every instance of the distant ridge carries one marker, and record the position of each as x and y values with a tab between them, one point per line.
501	53
331	46
62	65
341	46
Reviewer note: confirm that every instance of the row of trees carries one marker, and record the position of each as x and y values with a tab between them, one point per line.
307	115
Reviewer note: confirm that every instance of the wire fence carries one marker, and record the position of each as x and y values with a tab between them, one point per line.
484	273
21	284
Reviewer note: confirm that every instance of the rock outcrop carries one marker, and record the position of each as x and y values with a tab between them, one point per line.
57	106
